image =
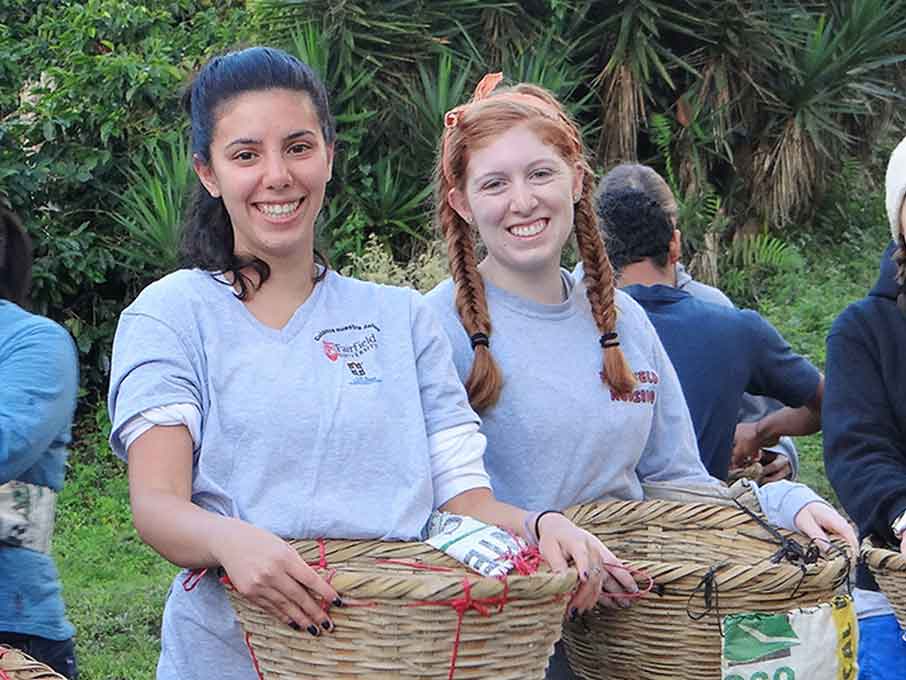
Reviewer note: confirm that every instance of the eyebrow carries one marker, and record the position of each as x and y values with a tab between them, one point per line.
252	141
496	173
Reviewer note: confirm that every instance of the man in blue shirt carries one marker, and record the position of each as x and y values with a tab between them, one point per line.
719	353
39	370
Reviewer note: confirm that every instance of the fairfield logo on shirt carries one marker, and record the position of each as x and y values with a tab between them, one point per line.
645	394
330	350
353	346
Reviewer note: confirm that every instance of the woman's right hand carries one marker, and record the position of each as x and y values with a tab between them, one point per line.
269	573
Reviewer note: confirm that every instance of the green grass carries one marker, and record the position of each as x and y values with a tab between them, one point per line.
841	259
115	586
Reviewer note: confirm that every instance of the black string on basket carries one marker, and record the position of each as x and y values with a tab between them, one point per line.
790	550
798	555
710	591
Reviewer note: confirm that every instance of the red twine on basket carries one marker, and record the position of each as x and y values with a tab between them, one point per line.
3	675
193	578
461	606
527	561
248	643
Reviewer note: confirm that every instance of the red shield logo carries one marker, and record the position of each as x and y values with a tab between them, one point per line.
330	350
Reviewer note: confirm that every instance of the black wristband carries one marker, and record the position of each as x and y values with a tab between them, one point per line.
538	521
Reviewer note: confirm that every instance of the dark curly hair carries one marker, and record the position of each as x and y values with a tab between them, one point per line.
637	213
207	241
15	259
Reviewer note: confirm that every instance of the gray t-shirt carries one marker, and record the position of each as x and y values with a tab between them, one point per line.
319	429
558	435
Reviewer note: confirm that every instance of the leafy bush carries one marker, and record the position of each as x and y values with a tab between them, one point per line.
88	89
376	263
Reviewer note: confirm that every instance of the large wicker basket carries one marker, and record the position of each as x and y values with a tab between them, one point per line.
411	615
17	665
889	569
706	561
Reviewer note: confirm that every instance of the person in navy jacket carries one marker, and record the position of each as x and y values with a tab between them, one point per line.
864	413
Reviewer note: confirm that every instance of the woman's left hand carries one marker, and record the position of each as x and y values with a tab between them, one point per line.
600	572
817	519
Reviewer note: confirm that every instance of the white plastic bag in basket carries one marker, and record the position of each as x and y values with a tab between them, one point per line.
481	547
814	643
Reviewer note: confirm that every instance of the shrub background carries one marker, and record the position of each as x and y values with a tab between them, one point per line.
750	108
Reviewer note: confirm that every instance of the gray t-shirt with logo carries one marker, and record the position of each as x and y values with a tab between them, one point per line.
558	435
319	429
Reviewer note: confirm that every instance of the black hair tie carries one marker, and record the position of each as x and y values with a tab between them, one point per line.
479	339
609	340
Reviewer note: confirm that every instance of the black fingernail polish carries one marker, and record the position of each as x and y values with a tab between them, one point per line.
573	614
294	625
337	602
585	574
313	630
326	625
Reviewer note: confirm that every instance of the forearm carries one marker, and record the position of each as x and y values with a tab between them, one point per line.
160	490
182	532
791	422
481	504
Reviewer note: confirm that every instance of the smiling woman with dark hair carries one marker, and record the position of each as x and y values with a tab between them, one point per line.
37	401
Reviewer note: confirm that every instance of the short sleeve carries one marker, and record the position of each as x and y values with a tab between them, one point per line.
37	395
152	366
444	400
779	372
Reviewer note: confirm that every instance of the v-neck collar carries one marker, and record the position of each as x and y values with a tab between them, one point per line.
296	323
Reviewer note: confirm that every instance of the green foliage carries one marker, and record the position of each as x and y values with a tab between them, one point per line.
376	263
152	209
699	211
748	106
88	88
750	262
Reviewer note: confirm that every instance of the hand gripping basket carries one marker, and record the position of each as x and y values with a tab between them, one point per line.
412	612
16	665
889	569
705	561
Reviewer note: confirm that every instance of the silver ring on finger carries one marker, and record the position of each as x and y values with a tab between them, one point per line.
596	570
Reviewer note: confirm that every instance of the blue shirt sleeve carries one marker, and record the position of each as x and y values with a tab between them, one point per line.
38	391
778	372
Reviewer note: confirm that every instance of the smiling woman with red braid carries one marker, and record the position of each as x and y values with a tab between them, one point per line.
578	398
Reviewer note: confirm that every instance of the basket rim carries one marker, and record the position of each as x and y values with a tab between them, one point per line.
680	516
879	557
416	571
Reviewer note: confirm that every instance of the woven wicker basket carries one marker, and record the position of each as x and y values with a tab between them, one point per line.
16	665
697	555
889	569
403	622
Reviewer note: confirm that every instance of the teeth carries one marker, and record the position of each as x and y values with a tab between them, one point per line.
278	209
528	229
